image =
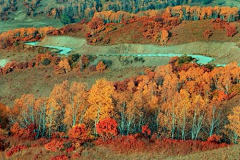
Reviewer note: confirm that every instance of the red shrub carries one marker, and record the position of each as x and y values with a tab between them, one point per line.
231	30
55	60
24	133
62	157
15	150
122	85
75	156
58	135
39	142
219	24
107	128
152	27
146	131
151	75
207	33
54	145
92	68
9	67
29	132
137	142
55	32
70	149
78	132
96	24
95	40
31	64
87	35
214	138
173	60
183	147
125	143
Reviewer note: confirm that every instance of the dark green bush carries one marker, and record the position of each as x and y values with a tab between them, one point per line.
91	58
185	59
210	66
107	62
206	1
66	19
46	62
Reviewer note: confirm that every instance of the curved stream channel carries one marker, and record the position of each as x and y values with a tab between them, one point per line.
66	50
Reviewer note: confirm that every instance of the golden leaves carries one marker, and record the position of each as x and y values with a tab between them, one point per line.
100	101
234	120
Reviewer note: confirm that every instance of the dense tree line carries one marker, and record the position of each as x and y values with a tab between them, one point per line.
13	37
185	12
73	10
5	6
178	101
86	9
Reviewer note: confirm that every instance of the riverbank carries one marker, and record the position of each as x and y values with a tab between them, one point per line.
66	51
223	52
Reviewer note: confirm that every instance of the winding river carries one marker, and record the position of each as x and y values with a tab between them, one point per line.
66	51
62	50
3	62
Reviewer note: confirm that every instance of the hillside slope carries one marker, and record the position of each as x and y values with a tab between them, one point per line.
227	153
39	13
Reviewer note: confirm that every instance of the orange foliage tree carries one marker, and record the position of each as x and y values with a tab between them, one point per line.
101	66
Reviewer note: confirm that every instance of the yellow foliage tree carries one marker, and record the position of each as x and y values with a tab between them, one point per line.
52	115
59	98
183	108
63	67
234	123
23	110
77	104
40	115
162	37
100	101
198	112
